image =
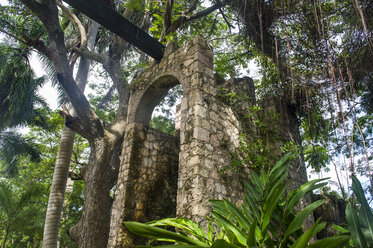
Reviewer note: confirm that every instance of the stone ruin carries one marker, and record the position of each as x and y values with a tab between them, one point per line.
166	176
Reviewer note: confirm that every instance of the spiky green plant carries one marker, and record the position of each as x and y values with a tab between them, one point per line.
266	219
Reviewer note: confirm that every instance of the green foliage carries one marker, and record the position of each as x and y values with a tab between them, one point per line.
21	214
163	124
18	97
268	218
360	219
17	20
259	147
39	173
164	114
317	157
72	213
14	147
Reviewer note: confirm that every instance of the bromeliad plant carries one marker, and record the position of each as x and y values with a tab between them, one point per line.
266	219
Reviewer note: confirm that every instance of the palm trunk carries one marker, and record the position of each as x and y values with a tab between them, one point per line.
60	175
56	197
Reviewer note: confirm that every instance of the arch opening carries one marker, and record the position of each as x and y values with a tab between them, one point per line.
153	96
165	113
156	149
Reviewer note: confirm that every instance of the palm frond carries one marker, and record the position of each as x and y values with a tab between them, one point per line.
52	76
12	148
18	97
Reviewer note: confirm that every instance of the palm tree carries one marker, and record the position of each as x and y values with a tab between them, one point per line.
60	175
18	106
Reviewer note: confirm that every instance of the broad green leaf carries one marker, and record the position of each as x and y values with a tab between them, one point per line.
171	246
253	193
264	177
242	220
365	212
279	172
301	192
228	225
297	222
331	242
303	240
269	194
367	235
221	243
155	232
251	240
272	204
219	206
210	231
281	162
251	206
354	227
339	229
184	225
256	181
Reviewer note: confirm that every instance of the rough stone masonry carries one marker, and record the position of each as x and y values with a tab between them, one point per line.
165	176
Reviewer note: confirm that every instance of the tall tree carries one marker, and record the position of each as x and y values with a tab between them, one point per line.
60	175
316	53
261	19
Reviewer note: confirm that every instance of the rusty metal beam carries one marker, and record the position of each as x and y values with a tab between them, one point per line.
110	19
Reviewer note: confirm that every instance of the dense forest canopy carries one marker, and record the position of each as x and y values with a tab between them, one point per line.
313	55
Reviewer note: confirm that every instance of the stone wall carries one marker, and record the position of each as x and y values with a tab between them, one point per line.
209	132
209	126
148	187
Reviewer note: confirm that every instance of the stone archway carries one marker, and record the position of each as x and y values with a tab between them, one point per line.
208	135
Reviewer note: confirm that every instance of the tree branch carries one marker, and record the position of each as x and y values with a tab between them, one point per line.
48	14
185	19
106	98
35	43
100	58
75	176
79	125
75	19
225	18
192	7
167	18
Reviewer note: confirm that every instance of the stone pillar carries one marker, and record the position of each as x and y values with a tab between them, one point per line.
209	133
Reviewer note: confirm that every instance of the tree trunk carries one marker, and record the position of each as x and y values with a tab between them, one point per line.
5	237
93	228
56	197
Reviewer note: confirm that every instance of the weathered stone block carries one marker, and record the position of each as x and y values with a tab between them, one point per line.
199	41
197	66
195	97
200	111
201	134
